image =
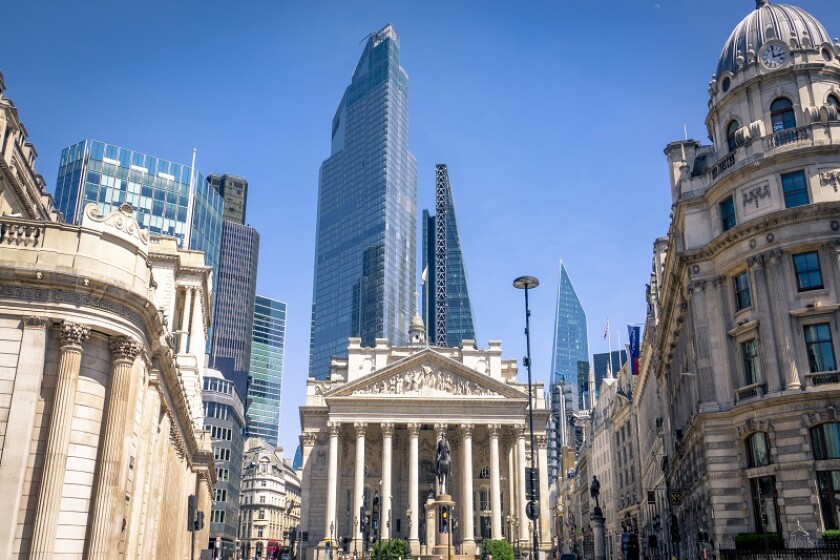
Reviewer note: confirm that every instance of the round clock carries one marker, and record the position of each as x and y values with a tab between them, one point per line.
773	55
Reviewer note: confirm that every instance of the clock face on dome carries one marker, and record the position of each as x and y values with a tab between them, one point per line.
773	55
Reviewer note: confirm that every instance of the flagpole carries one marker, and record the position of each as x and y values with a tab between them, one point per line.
609	355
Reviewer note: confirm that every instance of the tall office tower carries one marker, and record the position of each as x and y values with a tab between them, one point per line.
607	363
447	312
233	316
235	192
169	198
267	351
365	264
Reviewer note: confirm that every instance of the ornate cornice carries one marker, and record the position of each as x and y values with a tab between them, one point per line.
73	335
121	219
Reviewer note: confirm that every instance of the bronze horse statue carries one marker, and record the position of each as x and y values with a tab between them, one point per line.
443	464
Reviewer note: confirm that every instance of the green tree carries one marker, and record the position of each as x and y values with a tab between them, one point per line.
501	550
388	549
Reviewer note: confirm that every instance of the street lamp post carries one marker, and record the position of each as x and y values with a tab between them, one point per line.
355	537
533	510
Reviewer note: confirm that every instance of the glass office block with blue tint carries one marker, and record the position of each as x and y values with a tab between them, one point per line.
267	351
158	190
365	272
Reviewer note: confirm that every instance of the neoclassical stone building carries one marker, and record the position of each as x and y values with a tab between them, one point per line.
99	446
373	427
739	393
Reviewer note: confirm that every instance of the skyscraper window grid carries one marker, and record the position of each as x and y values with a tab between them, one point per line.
267	354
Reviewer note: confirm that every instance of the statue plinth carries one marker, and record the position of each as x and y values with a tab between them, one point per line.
439	543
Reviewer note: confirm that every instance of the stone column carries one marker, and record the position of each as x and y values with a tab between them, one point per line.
495	483
413	481
387	468
785	345
307	441
107	523
185	321
55	460
21	422
359	488
332	477
467	509
521	462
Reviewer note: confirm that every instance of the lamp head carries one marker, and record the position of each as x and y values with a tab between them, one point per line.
526	282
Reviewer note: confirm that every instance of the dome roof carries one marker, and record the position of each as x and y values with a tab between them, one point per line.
767	22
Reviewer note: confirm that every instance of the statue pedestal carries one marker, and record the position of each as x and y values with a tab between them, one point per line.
439	543
598	536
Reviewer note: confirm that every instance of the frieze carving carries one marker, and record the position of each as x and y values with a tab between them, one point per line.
74	334
124	348
70	298
830	179
753	195
425	381
308	438
121	219
32	322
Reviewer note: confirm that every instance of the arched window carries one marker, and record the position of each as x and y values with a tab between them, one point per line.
826	440
758	450
833	100
781	113
730	134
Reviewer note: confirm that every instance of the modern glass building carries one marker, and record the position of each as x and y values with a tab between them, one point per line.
233	316
169	198
235	192
365	263
447	312
267	352
602	363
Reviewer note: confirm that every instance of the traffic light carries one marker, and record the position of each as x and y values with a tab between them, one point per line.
199	520
444	519
191	513
292	537
374	516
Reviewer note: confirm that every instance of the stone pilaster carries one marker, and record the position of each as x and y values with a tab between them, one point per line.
73	337
495	483
359	486
107	523
334	429
785	346
521	462
21	422
185	322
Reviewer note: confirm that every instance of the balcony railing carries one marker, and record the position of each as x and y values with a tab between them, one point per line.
754	391
21	234
723	164
822	378
788	136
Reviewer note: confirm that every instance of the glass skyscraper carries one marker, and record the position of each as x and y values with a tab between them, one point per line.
267	351
365	264
235	192
447	312
169	198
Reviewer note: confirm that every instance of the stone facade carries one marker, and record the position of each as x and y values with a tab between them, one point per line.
98	442
270	499
373	426
739	374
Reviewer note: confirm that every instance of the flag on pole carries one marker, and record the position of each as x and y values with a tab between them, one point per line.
635	333
606	329
425	275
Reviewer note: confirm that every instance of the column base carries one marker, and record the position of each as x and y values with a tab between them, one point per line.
468	547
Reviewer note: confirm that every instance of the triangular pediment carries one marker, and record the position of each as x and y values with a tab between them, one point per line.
427	374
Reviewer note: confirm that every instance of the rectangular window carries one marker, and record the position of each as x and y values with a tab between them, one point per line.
825	439
795	188
829	485
752	366
820	348
727	213
808	274
765	508
743	298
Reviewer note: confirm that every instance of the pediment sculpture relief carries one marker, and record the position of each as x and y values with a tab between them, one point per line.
425	381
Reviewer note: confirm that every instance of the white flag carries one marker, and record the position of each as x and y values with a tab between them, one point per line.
425	275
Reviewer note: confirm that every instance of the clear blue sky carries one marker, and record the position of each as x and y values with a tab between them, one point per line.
552	117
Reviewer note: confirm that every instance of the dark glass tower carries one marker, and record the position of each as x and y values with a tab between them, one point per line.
267	351
447	312
169	198
233	313
365	263
235	192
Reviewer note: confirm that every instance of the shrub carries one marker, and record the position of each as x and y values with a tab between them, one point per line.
388	549
832	535
501	550
758	540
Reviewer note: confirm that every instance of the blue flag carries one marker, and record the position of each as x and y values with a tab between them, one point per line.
635	333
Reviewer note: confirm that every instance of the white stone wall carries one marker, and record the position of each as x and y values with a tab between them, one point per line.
10	336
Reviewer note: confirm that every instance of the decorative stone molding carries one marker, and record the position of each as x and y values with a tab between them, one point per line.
466	430
542	441
413	429
425	381
755	194
697	285
121	219
32	322
830	179
387	429
73	334
124	348
493	430
334	428
814	418
753	425
21	235
440	430
308	439
518	430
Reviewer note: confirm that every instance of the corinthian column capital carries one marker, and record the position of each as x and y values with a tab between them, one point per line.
73	334
413	429
125	349
361	428
387	429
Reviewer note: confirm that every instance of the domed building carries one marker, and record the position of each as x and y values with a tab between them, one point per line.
738	399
